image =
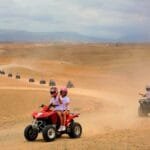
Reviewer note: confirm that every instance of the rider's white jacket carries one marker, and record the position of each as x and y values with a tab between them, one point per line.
56	102
65	100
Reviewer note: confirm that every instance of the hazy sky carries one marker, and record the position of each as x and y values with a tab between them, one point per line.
101	18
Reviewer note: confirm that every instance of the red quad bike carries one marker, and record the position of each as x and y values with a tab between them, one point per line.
47	122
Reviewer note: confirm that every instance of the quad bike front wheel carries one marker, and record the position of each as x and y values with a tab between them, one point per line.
76	130
49	133
30	133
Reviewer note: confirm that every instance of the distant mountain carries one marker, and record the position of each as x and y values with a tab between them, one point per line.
136	37
24	36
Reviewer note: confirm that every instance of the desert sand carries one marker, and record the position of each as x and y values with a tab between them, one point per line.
107	79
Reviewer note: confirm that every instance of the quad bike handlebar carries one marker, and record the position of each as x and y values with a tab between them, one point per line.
141	94
51	105
42	105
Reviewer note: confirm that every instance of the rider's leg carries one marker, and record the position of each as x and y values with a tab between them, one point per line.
59	113
54	119
64	117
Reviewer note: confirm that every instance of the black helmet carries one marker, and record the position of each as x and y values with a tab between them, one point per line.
54	90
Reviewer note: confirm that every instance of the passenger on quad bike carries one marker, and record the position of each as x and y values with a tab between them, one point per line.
65	101
147	94
58	106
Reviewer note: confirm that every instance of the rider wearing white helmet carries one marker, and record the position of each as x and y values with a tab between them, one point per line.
147	94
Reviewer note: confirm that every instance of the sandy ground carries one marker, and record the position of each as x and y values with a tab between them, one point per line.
107	80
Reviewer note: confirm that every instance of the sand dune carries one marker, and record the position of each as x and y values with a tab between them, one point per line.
107	80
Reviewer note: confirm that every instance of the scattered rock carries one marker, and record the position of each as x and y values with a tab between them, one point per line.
70	84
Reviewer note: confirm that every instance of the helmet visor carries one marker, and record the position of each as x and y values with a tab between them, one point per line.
52	92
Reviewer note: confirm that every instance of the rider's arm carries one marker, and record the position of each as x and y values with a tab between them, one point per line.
144	95
60	100
67	103
51	104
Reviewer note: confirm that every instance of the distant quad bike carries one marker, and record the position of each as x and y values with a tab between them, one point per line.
31	80
18	76
47	122
144	108
70	84
52	83
10	75
2	72
42	82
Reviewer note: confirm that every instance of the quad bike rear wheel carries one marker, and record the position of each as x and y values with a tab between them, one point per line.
141	112
30	133
49	133
76	130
